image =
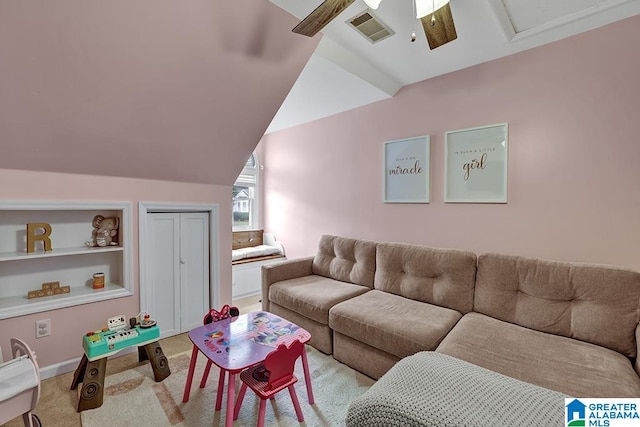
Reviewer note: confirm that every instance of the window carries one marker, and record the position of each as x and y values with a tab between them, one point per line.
245	197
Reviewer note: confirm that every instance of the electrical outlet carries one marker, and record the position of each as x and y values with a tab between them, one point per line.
43	328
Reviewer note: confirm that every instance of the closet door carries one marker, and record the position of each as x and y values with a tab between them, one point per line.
194	269
177	270
163	271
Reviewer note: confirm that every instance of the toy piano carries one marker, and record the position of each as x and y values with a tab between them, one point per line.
118	336
115	337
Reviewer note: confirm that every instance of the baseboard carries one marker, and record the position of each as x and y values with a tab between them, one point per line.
60	368
70	365
250	297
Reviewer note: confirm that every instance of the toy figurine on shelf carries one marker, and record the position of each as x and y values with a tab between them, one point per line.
105	231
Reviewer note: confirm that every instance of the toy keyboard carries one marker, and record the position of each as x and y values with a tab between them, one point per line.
105	343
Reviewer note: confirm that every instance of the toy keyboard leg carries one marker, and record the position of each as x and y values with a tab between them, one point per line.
158	360
93	385
142	355
78	376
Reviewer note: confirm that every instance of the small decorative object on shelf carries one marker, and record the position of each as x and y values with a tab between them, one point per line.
48	289
105	231
98	281
145	320
44	236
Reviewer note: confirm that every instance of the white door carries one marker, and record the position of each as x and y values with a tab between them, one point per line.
177	270
194	269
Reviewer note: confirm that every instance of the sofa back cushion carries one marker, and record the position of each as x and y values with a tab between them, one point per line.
444	277
593	303
347	260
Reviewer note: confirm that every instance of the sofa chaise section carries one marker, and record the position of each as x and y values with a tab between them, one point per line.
569	327
419	294
304	290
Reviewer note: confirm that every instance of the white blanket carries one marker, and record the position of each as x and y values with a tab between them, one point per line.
433	389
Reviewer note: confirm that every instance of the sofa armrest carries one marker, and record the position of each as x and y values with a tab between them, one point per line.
636	365
283	271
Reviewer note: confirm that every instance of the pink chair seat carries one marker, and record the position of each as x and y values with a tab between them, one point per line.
261	387
271	377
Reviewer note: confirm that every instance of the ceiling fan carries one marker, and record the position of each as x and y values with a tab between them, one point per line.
435	16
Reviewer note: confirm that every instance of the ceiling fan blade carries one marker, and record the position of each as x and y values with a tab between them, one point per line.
442	30
321	16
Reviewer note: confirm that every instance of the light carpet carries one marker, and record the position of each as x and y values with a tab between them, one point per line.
134	398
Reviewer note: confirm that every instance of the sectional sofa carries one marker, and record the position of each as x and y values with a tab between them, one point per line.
563	326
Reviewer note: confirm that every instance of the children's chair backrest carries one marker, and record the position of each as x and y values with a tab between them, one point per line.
281	362
225	312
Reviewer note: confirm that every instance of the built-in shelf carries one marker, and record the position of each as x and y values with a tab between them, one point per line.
20	305
70	262
14	256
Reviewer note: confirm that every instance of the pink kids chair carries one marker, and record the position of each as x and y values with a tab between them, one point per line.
215	316
270	377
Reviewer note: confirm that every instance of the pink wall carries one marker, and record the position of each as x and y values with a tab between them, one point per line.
572	109
69	324
185	88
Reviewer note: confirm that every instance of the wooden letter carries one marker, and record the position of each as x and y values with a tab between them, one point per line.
32	236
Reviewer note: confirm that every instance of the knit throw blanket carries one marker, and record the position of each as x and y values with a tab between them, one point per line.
433	389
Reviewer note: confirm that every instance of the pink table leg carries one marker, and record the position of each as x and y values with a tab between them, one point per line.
192	367
205	375
220	389
228	422
307	377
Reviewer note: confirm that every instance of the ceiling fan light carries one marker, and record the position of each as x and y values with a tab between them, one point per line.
426	7
373	4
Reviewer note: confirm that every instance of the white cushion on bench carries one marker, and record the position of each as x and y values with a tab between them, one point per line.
255	251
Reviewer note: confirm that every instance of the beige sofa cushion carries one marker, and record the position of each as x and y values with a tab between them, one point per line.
445	277
596	304
559	363
313	296
391	323
347	260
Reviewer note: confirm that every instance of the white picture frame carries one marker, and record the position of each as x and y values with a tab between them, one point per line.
476	164
407	170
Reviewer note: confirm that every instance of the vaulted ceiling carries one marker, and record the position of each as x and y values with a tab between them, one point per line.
161	89
348	71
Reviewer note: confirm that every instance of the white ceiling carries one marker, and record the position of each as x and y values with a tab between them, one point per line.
347	71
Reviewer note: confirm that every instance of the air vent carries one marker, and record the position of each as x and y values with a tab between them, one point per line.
370	27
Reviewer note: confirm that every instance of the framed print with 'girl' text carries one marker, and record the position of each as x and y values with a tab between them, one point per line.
476	165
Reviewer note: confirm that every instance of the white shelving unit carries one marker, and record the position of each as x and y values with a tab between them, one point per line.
70	262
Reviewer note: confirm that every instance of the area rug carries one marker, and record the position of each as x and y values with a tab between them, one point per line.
133	397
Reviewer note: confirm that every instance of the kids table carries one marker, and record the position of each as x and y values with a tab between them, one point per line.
240	342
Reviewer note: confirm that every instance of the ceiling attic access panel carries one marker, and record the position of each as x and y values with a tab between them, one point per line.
524	18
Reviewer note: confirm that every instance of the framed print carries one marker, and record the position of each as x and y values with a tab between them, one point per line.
406	170
476	165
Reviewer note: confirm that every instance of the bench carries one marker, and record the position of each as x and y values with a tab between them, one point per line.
250	251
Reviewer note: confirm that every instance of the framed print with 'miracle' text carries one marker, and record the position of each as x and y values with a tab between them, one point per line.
406	170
